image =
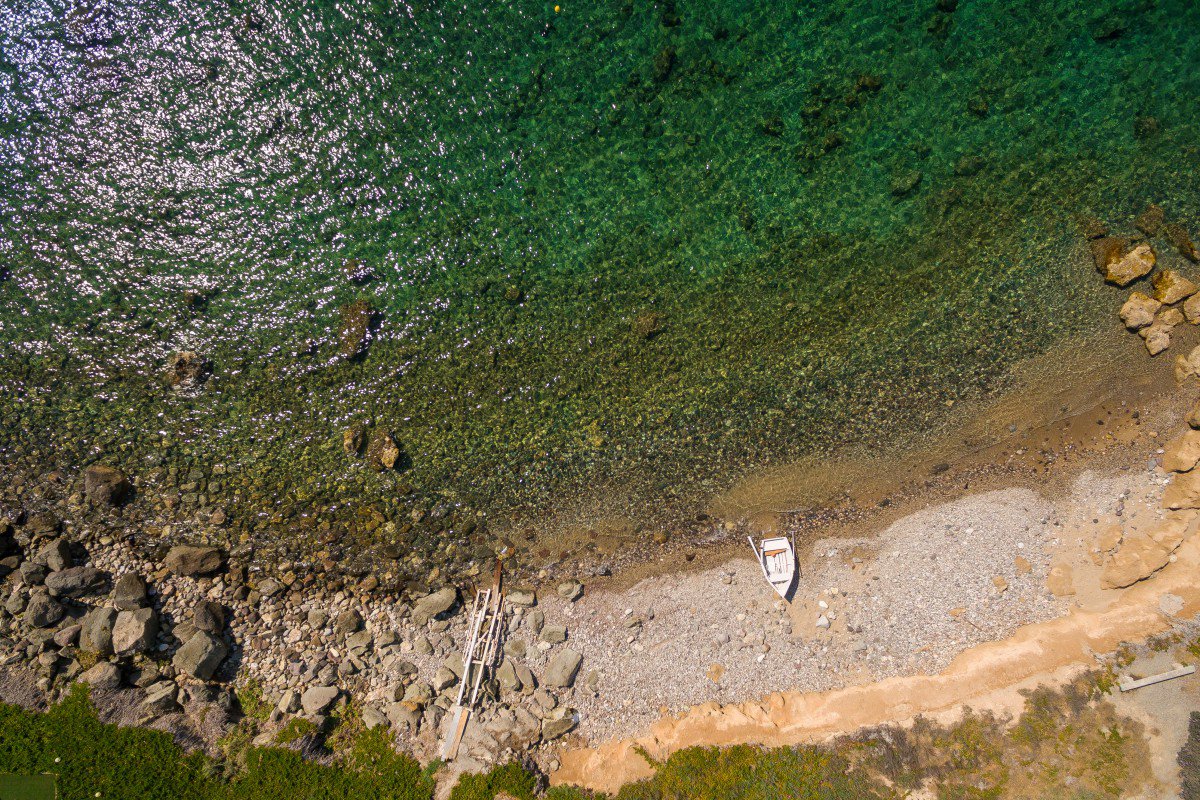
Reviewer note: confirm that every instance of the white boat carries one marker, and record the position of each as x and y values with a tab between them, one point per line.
777	557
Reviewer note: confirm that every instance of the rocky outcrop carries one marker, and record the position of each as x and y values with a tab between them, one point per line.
192	560
1138	558
1182	453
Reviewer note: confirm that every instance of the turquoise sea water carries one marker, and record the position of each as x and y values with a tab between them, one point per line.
621	249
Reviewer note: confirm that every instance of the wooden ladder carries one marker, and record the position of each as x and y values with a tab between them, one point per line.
480	655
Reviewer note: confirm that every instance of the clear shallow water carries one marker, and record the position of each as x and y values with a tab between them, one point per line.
631	246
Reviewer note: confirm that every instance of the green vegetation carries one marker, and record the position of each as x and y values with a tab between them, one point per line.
1068	738
89	757
27	787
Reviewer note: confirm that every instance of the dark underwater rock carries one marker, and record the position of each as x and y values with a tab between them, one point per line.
354	334
105	486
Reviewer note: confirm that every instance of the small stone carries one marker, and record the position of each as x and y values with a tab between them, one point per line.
382	451
559	723
904	184
1178	236
823	622
353	439
1022	565
1139	311
347	622
570	590
1000	583
1150	220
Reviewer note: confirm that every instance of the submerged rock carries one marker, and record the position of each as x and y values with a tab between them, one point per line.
186	368
353	439
648	324
105	486
1178	236
382	451
354	333
904	185
1150	220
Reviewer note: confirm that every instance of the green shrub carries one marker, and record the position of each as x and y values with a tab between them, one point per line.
511	778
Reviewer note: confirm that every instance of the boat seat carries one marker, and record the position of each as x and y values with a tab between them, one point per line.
770	553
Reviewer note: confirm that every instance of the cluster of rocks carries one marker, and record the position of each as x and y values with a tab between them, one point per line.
74	619
193	622
1123	260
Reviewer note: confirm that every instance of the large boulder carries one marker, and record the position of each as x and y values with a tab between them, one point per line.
96	634
1139	311
209	616
161	698
559	722
187	559
318	699
561	671
105	486
1183	491
201	656
429	606
130	592
102	676
55	556
75	581
1171	287
404	716
42	611
1119	266
134	631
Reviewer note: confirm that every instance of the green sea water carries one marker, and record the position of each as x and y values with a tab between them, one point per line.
617	252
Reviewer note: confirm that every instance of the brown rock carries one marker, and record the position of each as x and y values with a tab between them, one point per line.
1191	309
1139	558
353	439
1177	235
1174	528
354	334
1187	366
1000	584
105	486
1139	311
186	368
1059	582
1107	250
1126	268
1109	538
382	451
1171	287
648	324
1182	453
1193	415
1150	220
1183	491
1023	566
1157	338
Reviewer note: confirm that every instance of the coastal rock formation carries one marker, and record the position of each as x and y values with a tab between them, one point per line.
191	560
1139	310
1138	558
105	486
1170	287
1182	453
1183	491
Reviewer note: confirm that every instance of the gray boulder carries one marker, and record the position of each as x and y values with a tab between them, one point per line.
209	616
191	560
570	590
55	556
102	676
429	606
105	486
96	634
134	631
554	634
32	573
373	718
130	593
558	722
347	622
289	702
523	598
444	679
404	715
201	656
506	676
318	699
67	636
42	611
161	698
419	693
561	671
75	581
